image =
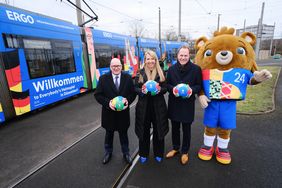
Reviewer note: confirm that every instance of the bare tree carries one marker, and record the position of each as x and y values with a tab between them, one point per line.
277	46
136	28
185	37
171	36
211	32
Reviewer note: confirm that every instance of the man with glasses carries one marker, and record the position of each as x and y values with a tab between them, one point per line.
110	85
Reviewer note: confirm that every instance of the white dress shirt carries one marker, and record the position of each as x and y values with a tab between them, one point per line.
114	78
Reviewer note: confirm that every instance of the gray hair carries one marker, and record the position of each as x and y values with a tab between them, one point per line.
183	47
115	60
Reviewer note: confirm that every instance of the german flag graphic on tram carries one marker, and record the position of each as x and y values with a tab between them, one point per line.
41	61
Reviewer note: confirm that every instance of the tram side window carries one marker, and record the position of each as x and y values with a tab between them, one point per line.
43	57
46	58
174	53
39	57
122	55
169	56
103	55
39	62
11	41
63	57
118	52
150	48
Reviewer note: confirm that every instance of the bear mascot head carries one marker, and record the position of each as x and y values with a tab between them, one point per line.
228	66
225	51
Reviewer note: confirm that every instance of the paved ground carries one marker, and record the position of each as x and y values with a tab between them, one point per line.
256	153
29	142
81	166
28	151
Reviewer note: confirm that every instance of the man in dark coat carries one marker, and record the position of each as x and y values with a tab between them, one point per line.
182	110
113	84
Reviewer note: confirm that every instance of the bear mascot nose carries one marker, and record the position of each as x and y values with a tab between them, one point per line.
224	53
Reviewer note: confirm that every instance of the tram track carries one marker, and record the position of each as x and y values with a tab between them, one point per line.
56	155
96	126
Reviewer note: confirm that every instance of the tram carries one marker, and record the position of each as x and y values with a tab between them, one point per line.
44	60
41	61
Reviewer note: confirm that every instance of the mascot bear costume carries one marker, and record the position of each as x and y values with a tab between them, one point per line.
228	66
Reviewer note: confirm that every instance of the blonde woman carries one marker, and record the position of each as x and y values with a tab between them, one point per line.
151	109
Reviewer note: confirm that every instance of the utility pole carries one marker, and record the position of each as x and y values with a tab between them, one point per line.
244	25
271	42
218	20
275	46
78	12
179	23
259	32
160	34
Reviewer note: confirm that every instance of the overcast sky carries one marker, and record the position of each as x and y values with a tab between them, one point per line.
199	17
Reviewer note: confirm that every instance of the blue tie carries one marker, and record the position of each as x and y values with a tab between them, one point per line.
116	82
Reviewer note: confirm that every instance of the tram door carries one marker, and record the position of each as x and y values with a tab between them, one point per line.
7	110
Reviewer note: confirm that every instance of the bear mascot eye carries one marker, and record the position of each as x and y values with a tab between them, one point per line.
241	51
208	53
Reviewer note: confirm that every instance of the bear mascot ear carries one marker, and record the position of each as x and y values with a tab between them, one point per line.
249	37
200	42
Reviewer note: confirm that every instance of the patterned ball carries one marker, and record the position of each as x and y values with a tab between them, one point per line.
117	102
151	86
183	90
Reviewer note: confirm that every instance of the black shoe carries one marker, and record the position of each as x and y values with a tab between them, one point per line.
107	158
127	158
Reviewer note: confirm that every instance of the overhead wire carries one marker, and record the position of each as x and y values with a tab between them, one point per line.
186	17
202	7
114	10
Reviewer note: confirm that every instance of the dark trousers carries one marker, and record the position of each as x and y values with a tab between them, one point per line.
123	138
144	145
186	137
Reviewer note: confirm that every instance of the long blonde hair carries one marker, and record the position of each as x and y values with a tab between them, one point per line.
151	75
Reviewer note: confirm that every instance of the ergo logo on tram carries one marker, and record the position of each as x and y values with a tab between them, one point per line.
106	34
19	17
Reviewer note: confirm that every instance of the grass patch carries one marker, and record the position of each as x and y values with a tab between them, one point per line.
259	98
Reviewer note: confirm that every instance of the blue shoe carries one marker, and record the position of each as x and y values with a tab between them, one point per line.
158	159
143	160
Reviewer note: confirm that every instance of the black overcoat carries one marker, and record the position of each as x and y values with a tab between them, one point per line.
179	109
159	105
106	91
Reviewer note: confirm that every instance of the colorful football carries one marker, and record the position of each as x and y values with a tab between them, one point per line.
117	102
183	90
151	86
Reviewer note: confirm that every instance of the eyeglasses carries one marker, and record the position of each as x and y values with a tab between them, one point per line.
115	66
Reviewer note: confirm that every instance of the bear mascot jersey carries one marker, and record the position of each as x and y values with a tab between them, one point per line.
228	66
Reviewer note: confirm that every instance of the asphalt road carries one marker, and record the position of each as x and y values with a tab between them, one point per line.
256	156
31	141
